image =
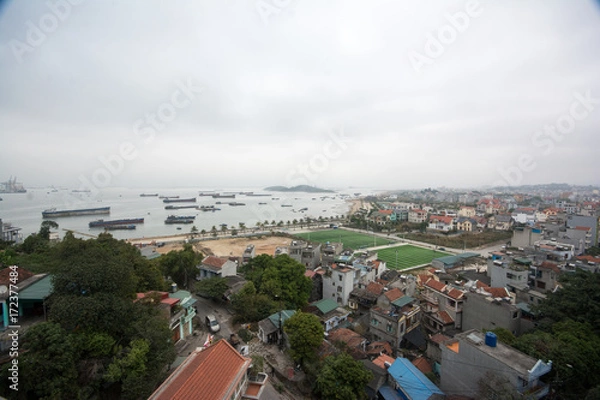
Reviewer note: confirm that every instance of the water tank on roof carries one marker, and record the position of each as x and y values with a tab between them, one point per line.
491	339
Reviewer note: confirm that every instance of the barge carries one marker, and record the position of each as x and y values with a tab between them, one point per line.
54	213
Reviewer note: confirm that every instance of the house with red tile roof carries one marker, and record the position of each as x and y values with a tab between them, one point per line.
442	306
363	298
376	349
355	343
441	223
212	266
434	342
217	372
394	316
178	308
417	216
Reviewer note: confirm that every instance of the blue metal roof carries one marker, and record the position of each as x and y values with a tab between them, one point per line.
388	393
411	380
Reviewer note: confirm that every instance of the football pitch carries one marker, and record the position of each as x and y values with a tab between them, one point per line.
407	256
350	239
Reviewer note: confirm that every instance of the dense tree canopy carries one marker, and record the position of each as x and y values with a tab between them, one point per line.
342	378
181	265
281	278
305	334
99	342
250	306
213	288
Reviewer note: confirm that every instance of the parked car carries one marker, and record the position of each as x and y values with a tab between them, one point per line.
212	323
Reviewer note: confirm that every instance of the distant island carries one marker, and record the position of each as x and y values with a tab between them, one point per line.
299	188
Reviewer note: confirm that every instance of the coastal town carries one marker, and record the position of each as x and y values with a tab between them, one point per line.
418	294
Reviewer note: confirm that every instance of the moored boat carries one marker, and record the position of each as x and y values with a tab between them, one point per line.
54	213
177	200
115	222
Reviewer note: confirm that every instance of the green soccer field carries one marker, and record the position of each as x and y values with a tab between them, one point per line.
408	256
353	240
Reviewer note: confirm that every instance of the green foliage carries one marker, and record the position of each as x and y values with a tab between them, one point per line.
342	378
213	288
305	334
245	335
280	278
130	368
181	265
47	364
505	336
573	348
250	306
578	299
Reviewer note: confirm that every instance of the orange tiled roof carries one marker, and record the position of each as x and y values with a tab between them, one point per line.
215	262
432	283
445	317
423	278
386	212
379	348
380	361
375	288
351	338
439	338
22	275
211	373
497	291
394	294
441	218
550	265
455	293
589	258
583	228
422	365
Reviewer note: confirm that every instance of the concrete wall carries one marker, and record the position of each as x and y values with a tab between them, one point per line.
480	312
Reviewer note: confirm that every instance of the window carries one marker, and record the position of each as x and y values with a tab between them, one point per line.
340	276
374	322
339	289
390	327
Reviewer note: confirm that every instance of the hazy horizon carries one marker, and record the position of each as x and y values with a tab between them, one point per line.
384	95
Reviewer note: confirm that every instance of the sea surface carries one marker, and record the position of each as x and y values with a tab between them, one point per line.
24	210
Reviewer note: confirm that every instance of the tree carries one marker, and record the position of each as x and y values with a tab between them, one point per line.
47	364
305	334
342	378
194	231
250	306
181	265
214	287
45	229
202	232
234	232
578	299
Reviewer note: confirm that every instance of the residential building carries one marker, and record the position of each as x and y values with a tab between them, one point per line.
270	329
316	276
508	272
330	251
441	223
329	313
217	372
401	214
501	222
179	314
490	308
525	236
442	306
407	382
524	215
305	253
363	298
466	211
544	276
417	216
355	344
476	361
382	217
434	351
449	262
465	224
573	221
338	282
213	266
34	291
394	316
279	250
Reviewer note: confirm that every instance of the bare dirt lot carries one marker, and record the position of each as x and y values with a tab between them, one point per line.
230	247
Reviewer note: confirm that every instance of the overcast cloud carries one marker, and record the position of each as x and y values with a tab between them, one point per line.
280	77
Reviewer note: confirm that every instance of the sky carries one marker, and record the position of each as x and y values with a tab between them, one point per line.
252	93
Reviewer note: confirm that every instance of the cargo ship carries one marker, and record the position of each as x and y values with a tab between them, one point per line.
172	207
223	196
207	208
120	227
116	222
149	195
54	213
170	200
235	203
168	197
182	219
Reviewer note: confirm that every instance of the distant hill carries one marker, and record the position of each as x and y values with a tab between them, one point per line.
299	188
